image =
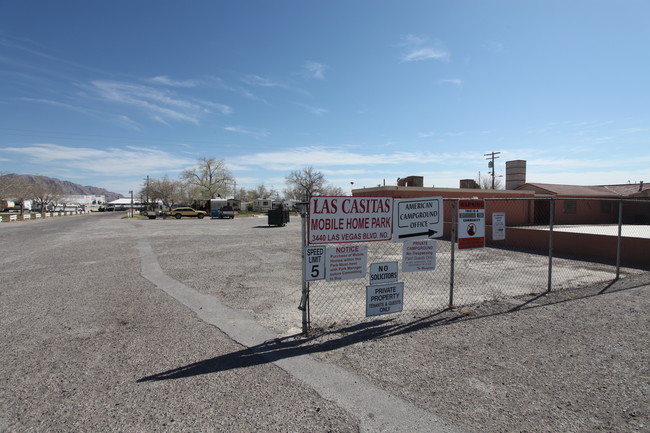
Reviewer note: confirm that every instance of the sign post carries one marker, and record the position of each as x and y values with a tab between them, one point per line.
419	255
381	273
498	226
471	224
346	262
314	263
418	218
350	219
384	299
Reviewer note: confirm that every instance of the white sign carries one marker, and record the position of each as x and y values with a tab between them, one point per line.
471	224
417	218
346	262
381	273
498	226
419	255
384	299
350	219
314	263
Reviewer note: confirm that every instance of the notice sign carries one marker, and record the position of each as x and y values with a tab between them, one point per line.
384	299
350	219
346	262
498	226
381	273
419	255
418	218
471	224
314	263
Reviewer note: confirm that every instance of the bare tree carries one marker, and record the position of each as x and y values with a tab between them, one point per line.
166	190
304	183
44	195
485	182
333	190
210	177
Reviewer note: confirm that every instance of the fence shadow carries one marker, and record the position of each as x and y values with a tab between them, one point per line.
327	340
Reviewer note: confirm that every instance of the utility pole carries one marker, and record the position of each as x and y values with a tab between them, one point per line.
147	205
492	156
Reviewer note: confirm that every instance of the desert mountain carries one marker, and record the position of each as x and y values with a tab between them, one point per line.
65	186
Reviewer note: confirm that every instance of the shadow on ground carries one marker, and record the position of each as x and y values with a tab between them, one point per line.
326	340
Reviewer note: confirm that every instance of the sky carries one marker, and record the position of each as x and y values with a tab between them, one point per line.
106	93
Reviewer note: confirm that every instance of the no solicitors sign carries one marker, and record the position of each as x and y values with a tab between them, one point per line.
350	219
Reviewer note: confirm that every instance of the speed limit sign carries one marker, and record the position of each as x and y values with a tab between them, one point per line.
314	263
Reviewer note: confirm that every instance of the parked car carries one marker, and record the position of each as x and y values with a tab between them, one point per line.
187	212
227	212
152	214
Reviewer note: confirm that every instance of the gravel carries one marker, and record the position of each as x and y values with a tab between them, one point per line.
91	345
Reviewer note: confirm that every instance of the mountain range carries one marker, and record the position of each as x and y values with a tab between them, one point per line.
65	186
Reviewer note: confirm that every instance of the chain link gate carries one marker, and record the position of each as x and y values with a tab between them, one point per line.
532	259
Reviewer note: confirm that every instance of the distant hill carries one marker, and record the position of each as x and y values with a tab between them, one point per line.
65	186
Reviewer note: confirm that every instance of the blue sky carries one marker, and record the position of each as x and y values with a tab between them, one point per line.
105	93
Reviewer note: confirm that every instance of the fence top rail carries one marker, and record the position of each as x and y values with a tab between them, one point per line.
625	200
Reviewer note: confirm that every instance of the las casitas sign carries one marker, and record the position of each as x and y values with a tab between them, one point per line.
350	219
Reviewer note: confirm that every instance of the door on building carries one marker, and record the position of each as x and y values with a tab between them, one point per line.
542	212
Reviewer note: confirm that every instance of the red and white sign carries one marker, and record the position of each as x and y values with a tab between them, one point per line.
471	224
350	219
346	262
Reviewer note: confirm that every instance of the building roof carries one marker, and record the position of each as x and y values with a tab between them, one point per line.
615	191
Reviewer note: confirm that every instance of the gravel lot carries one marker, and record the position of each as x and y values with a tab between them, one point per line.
83	327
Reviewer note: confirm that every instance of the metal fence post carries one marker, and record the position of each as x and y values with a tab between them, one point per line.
304	300
618	240
550	244
453	254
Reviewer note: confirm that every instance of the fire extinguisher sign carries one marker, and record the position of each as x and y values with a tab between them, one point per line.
471	224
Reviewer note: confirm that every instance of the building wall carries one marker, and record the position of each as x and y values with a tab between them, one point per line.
519	212
529	212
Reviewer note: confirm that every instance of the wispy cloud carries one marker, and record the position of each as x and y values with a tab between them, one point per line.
493	46
248	131
418	48
453	81
166	81
125	161
314	110
160	105
53	103
314	70
258	81
289	159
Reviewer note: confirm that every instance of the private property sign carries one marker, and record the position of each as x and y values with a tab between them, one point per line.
350	219
384	299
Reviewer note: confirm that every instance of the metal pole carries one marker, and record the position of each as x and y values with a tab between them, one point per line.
618	240
550	244
304	300
453	254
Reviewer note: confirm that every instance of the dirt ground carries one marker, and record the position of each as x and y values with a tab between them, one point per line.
574	360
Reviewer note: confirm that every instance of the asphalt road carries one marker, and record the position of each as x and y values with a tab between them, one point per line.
129	325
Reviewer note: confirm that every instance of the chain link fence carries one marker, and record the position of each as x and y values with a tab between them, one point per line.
549	244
